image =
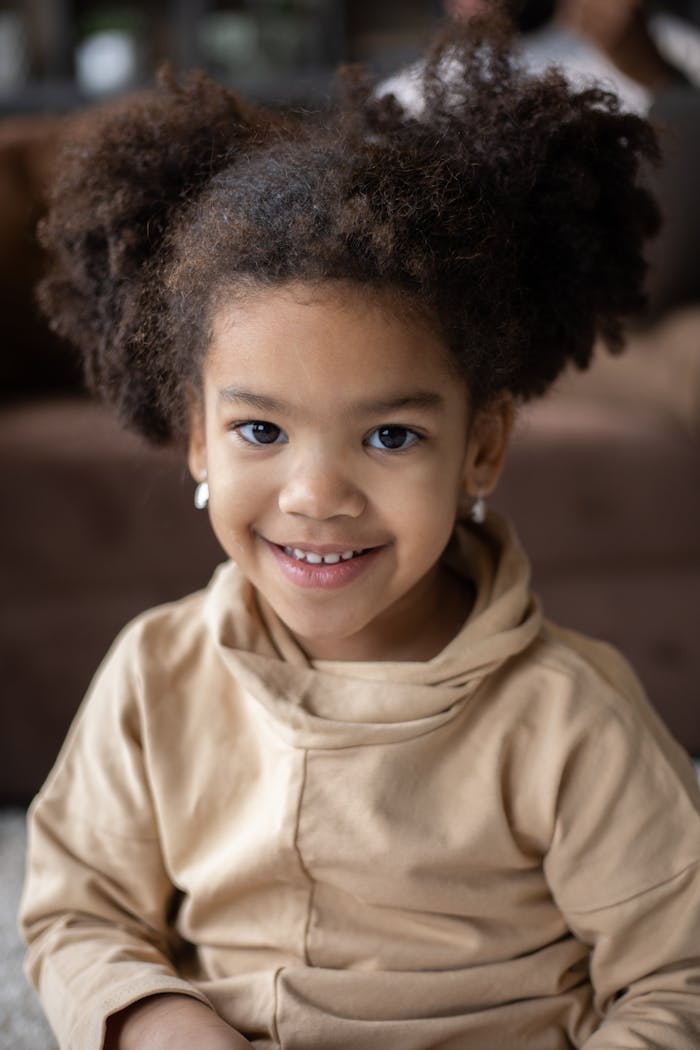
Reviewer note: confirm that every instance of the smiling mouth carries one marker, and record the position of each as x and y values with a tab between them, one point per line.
314	558
322	567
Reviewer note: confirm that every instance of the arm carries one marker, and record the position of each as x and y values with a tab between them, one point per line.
624	868
170	1022
646	968
98	900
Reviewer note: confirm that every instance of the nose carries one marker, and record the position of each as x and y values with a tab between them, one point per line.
318	489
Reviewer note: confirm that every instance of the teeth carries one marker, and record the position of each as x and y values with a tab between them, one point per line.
319	559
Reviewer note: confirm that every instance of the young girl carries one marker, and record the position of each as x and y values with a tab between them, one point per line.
359	793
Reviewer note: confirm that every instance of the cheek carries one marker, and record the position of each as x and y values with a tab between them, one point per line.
234	471
437	483
243	501
424	510
427	491
232	498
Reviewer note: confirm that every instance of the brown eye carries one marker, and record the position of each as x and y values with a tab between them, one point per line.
392	438
259	432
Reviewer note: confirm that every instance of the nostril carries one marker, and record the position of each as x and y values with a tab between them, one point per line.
321	497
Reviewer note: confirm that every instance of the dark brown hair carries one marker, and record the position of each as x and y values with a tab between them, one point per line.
508	210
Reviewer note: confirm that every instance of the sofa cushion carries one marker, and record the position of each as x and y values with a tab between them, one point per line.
95	527
32	358
658	374
607	503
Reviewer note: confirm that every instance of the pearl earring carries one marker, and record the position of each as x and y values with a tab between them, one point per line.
201	494
477	512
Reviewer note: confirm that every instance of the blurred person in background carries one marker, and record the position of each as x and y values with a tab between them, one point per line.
616	43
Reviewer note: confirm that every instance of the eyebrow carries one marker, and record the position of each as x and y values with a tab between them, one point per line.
414	399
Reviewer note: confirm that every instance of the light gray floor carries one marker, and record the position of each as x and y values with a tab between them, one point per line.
22	1024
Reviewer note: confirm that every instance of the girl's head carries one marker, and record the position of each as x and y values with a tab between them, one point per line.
390	283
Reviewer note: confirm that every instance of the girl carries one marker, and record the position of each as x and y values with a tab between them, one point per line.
358	792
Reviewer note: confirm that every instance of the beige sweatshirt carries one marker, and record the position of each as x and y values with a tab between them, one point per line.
498	849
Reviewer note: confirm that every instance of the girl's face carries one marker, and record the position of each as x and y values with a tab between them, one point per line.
337	443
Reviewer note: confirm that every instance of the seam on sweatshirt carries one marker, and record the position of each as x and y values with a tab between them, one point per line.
302	865
275	1004
634	896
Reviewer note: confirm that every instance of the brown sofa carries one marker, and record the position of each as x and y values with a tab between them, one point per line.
603	483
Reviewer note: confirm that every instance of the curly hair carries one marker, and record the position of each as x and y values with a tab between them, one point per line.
509	211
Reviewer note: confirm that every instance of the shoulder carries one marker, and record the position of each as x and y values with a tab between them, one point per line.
162	649
596	693
581	731
623	789
160	664
169	628
160	638
590	680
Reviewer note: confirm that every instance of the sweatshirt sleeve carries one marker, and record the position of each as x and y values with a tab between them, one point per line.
624	868
97	897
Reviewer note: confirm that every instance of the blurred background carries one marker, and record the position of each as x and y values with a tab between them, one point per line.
56	53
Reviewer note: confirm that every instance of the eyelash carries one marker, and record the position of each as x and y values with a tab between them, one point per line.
239	428
416	438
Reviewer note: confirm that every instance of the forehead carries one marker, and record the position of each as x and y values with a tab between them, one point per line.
333	333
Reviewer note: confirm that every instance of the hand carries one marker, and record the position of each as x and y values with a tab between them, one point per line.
619	29
171	1022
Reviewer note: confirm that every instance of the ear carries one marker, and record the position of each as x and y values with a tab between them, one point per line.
487	445
197	442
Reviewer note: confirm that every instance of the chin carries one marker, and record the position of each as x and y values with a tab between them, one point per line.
321	629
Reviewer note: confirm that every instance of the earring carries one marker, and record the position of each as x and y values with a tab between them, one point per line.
477	512
201	494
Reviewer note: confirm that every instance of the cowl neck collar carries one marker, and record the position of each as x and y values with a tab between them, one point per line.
327	703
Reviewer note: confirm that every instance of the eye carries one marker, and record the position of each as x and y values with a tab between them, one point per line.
258	432
393	438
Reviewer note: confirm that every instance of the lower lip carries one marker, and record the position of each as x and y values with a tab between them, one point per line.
325	577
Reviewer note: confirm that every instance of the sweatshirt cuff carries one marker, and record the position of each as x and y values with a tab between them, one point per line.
82	1026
